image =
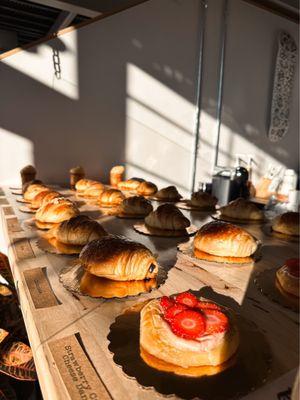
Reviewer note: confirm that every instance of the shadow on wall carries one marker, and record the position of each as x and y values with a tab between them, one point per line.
123	94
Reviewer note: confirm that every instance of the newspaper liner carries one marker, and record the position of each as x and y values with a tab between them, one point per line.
234	382
265	282
70	277
142	228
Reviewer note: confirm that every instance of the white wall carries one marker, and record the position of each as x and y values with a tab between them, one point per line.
127	94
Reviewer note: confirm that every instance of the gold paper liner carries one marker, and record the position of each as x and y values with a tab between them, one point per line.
217	216
17	192
268	285
250	370
145	230
71	278
267	229
187	249
26	209
22	200
184	205
51	245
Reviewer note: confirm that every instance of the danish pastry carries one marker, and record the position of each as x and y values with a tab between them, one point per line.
167	216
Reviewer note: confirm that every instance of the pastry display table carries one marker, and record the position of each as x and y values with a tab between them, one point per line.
68	333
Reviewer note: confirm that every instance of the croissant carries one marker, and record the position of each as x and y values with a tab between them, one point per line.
95	286
94	190
54	212
50	196
146	188
33	190
242	209
111	197
118	259
83	184
43	197
202	200
78	231
116	175
168	193
136	205
26	185
288	277
167	216
130	184
225	240
287	223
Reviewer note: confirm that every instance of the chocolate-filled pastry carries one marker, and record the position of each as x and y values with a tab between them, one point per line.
83	184
222	239
110	198
288	278
135	205
130	184
147	189
242	209
94	190
202	200
287	223
169	193
167	216
28	174
33	190
118	259
42	198
55	212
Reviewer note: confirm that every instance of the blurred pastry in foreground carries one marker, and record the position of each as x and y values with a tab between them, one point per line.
71	235
223	242
110	198
95	286
131	184
188	336
167	217
242	209
135	206
287	223
169	193
116	175
287	279
118	259
32	190
203	200
76	174
146	189
28	174
55	212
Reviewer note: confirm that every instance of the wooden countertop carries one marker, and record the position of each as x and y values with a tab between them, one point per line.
91	318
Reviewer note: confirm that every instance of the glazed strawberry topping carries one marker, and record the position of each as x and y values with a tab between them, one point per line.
186	298
293	266
216	321
188	324
191	318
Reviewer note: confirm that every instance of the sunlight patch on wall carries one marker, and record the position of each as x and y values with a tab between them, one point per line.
44	61
15	153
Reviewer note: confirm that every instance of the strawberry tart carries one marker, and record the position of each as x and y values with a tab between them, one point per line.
287	280
188	336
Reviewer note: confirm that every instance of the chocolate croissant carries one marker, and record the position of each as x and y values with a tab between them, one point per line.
167	216
54	212
168	193
110	198
78	231
118	259
130	184
135	205
146	189
242	209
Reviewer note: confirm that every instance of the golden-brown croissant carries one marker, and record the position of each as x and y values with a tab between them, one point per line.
118	259
223	239
43	197
54	212
130	184
135	205
83	184
110	198
242	209
146	189
94	190
167	216
26	185
287	223
168	193
33	190
202	200
78	230
116	175
288	277
50	196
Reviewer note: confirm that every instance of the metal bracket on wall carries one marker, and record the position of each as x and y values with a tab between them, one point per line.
203	7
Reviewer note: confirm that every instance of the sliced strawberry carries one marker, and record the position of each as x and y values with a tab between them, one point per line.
186	298
216	321
188	324
204	305
293	266
166	302
172	311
